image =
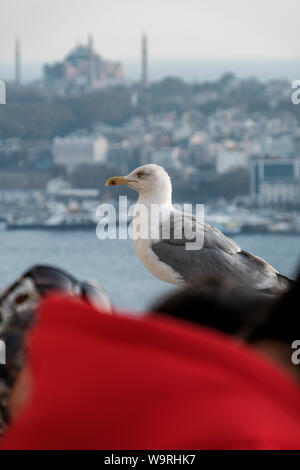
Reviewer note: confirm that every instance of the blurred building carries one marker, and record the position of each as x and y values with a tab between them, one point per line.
230	157
82	69
75	150
275	182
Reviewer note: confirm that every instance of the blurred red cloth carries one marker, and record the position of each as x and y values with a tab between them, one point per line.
109	382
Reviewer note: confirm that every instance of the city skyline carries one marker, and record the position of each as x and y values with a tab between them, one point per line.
176	29
149	69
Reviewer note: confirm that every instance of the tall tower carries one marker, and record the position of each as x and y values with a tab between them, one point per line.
144	79
17	62
91	71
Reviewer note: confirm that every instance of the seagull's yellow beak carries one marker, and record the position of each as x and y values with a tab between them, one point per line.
116	180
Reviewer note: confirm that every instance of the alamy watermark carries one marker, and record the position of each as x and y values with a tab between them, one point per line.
296	354
152	222
2	92
296	94
2	352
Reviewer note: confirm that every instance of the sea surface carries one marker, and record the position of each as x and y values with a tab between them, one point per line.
114	264
199	69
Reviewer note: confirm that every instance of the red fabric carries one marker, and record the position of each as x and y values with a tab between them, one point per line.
108	382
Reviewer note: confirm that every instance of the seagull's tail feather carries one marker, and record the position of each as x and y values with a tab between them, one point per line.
283	285
285	282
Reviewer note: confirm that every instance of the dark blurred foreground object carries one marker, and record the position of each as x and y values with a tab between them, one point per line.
267	322
38	281
110	382
282	321
218	303
18	304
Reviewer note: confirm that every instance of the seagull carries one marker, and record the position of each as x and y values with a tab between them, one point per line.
167	257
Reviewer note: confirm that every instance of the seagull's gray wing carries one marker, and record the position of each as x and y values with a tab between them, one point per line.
219	256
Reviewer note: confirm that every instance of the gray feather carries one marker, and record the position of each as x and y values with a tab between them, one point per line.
219	256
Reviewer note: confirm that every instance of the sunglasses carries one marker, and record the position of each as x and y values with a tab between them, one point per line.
48	278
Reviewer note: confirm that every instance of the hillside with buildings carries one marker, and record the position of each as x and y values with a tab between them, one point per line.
222	139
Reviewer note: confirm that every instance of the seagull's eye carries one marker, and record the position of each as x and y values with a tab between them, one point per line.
140	174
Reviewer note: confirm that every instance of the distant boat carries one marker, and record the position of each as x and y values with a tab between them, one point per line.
60	221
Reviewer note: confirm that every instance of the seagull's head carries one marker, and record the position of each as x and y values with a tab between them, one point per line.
150	181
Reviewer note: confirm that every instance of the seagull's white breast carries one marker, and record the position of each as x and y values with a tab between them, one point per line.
149	220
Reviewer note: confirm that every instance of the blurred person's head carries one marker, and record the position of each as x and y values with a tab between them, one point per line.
275	336
218	303
269	323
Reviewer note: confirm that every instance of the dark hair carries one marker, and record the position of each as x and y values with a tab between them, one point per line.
282	320
221	304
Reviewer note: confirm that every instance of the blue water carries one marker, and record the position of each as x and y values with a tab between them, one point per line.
113	263
199	69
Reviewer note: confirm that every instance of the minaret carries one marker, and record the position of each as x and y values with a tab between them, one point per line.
17	62
144	80
91	76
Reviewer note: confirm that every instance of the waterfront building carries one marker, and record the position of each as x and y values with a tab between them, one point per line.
230	157
275	182
74	150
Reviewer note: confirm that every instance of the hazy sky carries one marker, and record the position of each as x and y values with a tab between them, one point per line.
176	29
